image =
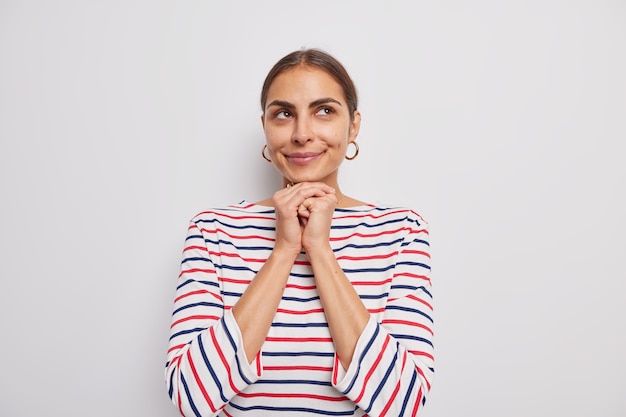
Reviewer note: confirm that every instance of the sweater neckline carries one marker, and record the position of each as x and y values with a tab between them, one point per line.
258	207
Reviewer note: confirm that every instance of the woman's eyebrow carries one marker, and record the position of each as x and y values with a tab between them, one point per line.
315	103
281	103
324	101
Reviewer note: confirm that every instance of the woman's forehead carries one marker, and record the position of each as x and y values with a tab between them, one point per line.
304	82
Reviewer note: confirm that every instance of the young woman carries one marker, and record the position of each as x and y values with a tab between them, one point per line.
310	302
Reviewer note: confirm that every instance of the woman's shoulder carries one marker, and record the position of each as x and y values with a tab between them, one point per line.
381	210
242	210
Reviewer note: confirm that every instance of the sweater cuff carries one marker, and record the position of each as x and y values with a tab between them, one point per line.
343	380
251	371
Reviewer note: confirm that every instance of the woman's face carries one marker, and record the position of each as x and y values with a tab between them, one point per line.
307	125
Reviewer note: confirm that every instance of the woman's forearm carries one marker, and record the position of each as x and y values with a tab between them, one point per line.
344	310
257	307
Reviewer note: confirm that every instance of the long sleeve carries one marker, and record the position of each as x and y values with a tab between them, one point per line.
393	364
206	365
384	252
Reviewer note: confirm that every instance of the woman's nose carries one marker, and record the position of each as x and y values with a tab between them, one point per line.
302	132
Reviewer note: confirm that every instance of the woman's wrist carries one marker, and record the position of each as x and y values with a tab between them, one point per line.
285	253
319	248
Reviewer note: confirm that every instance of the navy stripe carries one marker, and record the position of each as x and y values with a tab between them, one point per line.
233	345
278	324
302	300
373	297
420	241
410	337
190	237
367	225
191	403
186	306
233	226
293	410
349	270
362	357
374	245
196	258
412	288
419	264
293	382
408	392
294	354
384	380
207	363
410	310
239	248
192	281
187	331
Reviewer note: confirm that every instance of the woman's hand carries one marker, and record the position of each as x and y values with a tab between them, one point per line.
303	215
316	215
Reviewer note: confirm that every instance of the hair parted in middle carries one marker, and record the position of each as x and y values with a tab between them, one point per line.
313	57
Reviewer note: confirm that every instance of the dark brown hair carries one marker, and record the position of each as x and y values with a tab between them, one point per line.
318	59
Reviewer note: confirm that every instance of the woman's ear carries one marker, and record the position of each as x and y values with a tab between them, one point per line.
263	120
355	125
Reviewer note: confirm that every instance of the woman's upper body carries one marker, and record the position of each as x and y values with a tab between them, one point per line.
311	302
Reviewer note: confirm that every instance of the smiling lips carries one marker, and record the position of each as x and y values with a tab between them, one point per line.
303	158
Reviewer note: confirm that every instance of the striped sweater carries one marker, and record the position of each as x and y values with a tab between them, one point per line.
384	252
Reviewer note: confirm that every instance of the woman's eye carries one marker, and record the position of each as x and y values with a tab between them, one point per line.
283	114
325	111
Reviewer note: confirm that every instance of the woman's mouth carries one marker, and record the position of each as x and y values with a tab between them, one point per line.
303	158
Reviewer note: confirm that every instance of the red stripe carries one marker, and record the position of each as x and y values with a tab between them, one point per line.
271	239
291	395
199	381
418	231
236	255
224	362
410	275
173	348
370	215
376	283
413	297
315	310
192	270
301	287
298	368
420	353
336	369
418	402
212	294
386	232
373	368
417	252
298	339
202	248
407	323
366	258
180	404
190	293
197	317
235	281
230	216
395	390
419	371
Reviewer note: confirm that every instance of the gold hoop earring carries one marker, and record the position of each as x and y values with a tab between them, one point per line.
356	151
263	154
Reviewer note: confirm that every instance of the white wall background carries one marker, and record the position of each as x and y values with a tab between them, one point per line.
502	122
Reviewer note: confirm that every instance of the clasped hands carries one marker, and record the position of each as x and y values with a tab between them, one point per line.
304	214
